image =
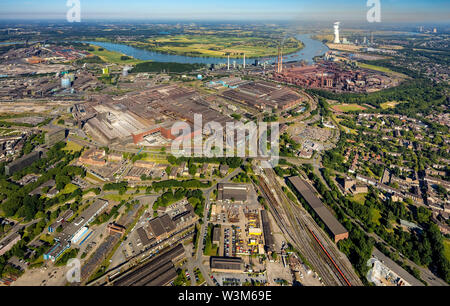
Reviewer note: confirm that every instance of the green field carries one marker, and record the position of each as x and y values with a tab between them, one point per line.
112	57
391	104
359	198
376	216
72	146
447	248
117	197
348	108
376	68
217	45
69	188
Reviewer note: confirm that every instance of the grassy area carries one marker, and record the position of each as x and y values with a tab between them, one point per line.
72	146
47	238
388	105
198	273
376	68
181	279
376	216
113	57
348	108
117	197
69	188
359	198
155	159
217	45
344	128
210	248
64	258
93	178
447	248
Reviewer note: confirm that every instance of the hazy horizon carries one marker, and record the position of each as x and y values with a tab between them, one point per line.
398	11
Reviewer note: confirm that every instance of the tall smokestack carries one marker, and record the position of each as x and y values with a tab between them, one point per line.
244	60
337	40
278	60
228	66
281	59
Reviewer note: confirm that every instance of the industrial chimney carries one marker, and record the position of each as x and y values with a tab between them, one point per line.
336	33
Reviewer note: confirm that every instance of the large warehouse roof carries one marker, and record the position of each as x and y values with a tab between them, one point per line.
227	263
316	204
237	192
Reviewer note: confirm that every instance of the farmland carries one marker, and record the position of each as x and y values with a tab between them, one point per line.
112	57
376	68
217	45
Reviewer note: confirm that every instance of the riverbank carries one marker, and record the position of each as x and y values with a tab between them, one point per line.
213	46
311	49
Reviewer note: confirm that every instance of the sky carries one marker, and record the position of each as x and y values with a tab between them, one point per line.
261	10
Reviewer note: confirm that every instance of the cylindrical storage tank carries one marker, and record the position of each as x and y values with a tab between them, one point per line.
65	82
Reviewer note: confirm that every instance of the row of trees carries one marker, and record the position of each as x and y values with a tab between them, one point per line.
187	184
195	198
232	162
121	187
418	96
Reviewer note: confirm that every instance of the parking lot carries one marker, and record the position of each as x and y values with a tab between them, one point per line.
231	279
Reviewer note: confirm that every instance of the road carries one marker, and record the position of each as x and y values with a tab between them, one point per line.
17	228
197	261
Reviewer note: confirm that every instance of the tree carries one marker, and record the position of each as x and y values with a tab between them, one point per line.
192	169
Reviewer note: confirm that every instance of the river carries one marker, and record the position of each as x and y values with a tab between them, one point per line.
312	48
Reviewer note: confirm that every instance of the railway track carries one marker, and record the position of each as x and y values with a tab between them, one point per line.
324	258
299	240
340	259
328	256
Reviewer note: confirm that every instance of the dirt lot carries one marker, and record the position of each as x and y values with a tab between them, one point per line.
30	107
52	276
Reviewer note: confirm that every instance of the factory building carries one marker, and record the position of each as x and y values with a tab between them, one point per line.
227	264
93	157
60	221
77	232
56	251
165	131
336	229
232	192
161	227
23	162
147	116
160	271
264	95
